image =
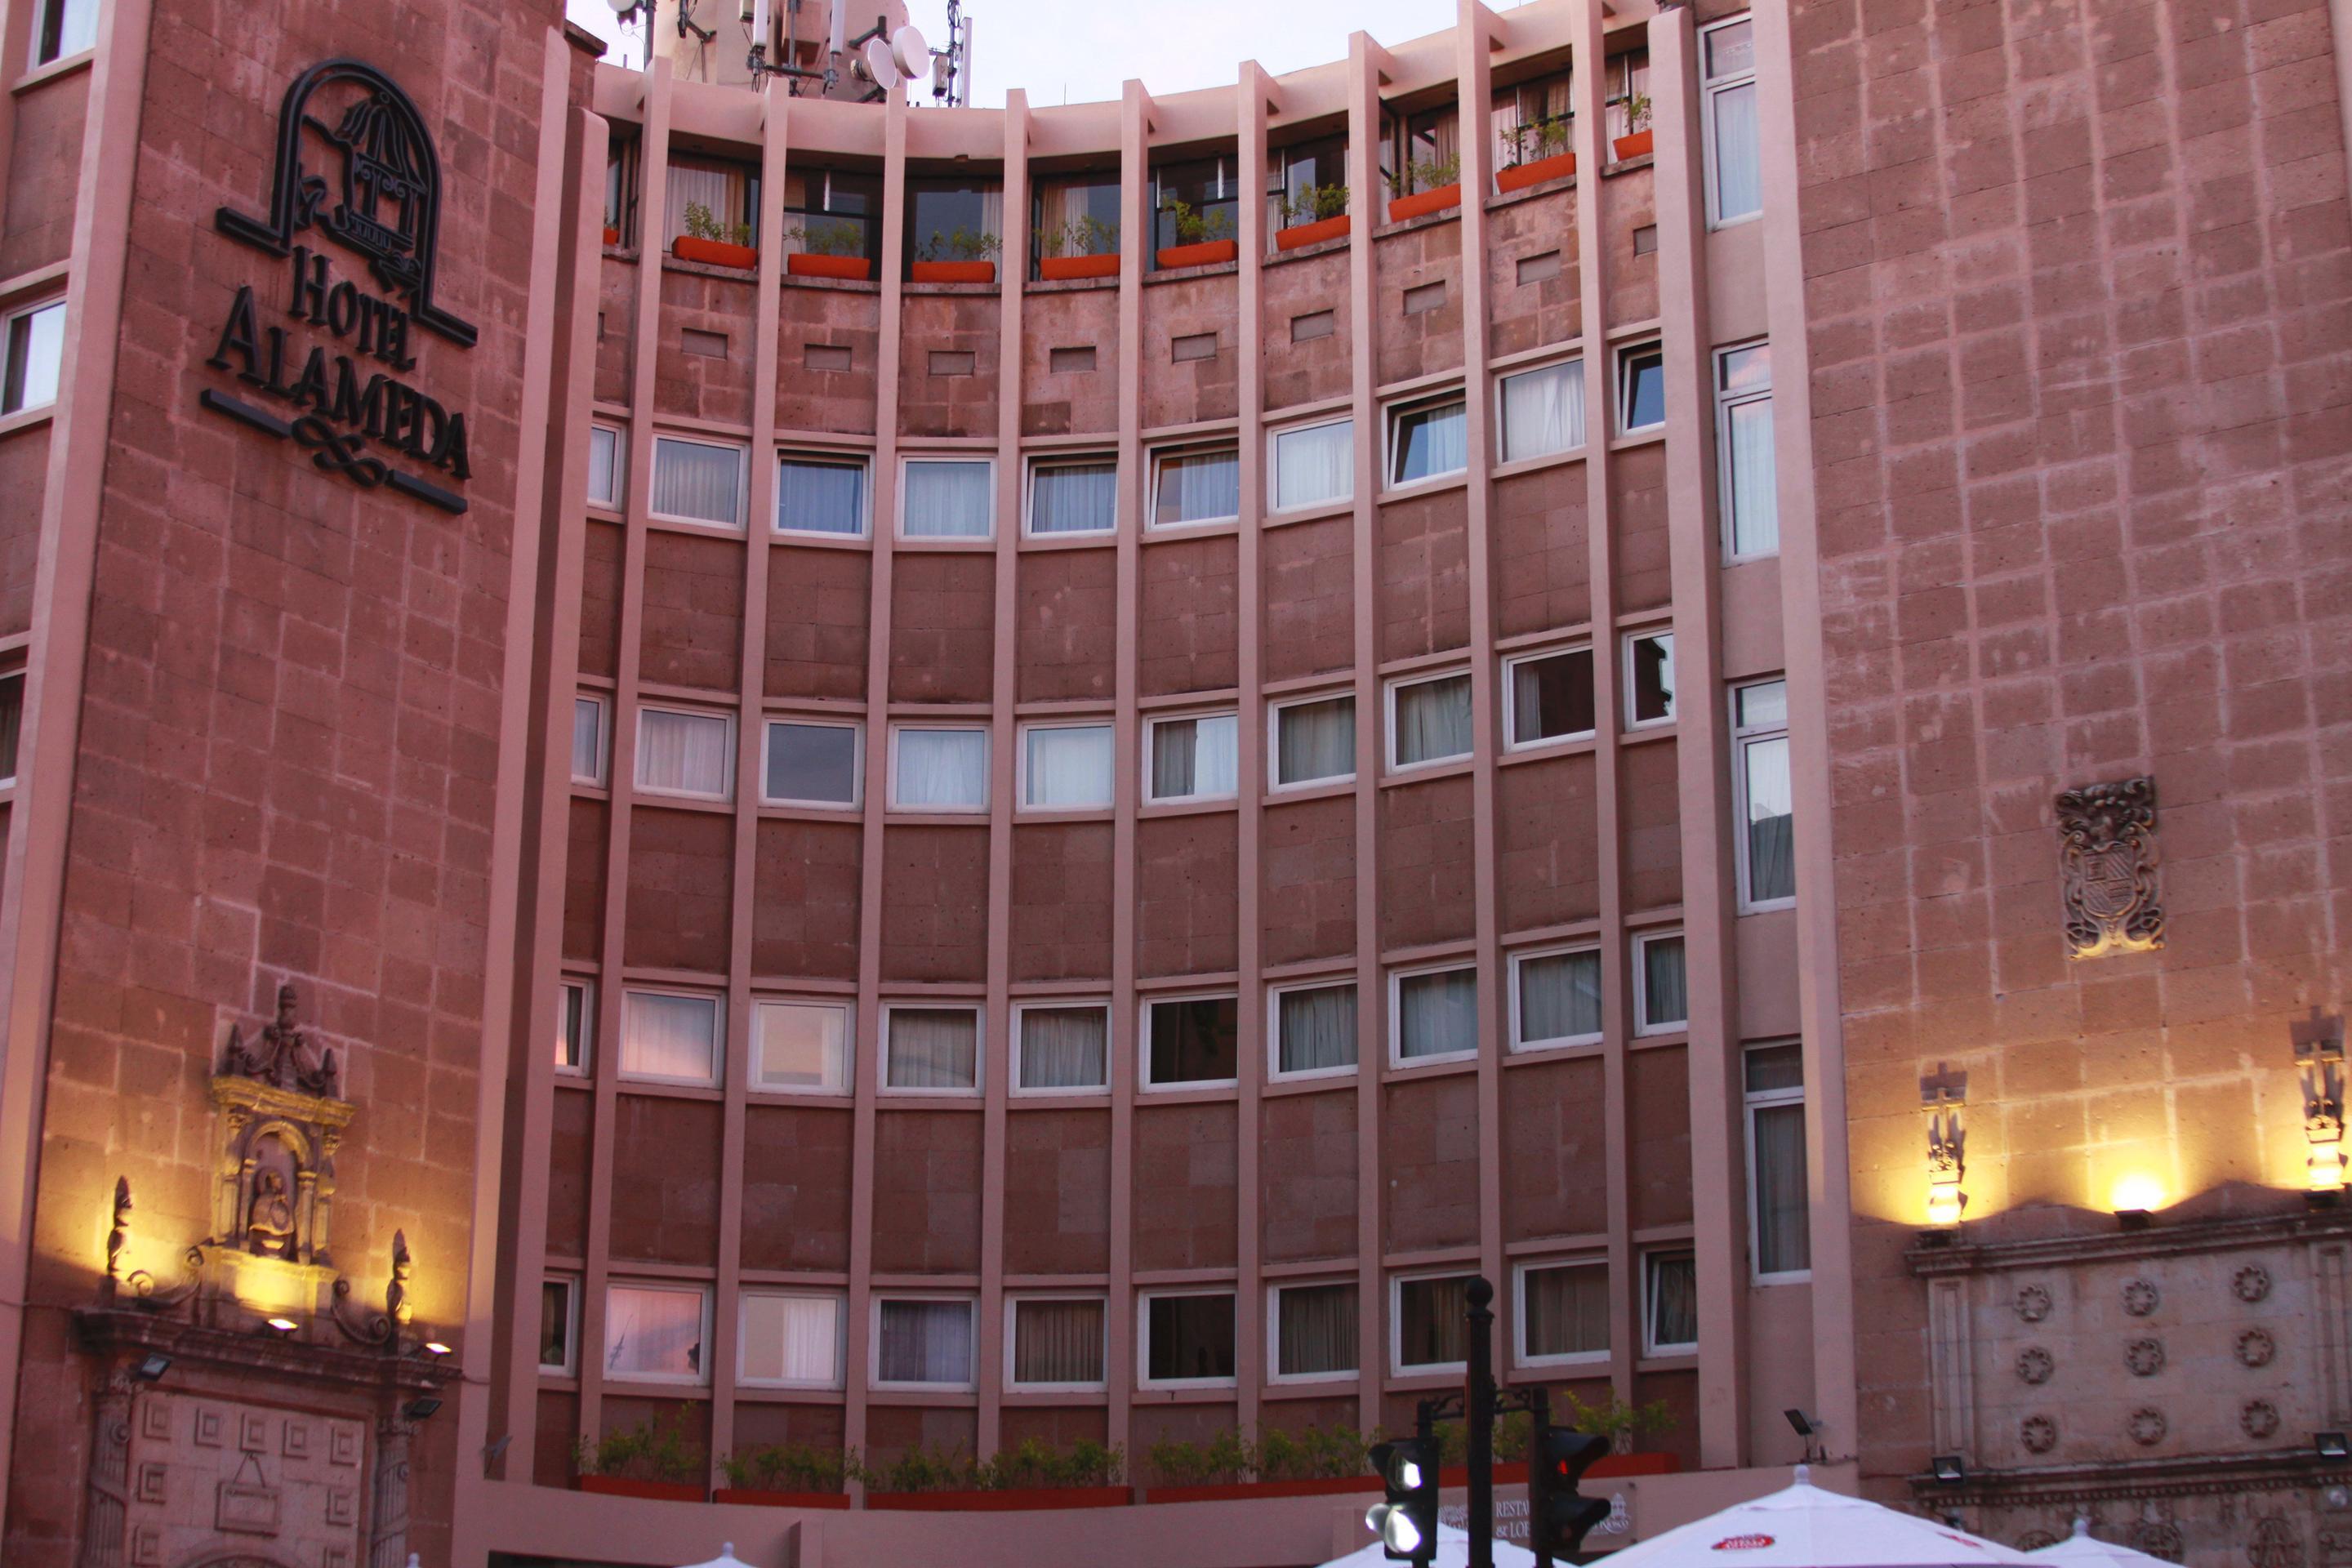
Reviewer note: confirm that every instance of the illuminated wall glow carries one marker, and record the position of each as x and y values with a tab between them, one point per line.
2137	1190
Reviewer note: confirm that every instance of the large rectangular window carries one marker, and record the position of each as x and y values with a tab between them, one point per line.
949	497
938	770
800	1047
1649	680
588	740
697	481
1555	998
923	1341
1066	767
1428	441
1060	1049
1434	1013
1765	799
812	763
686	753
819	495
1187	1338
1058	1341
727	192
655	1333
575	1026
1661	992
1313	740
1743	434
931	1051
670	1037
1543	410
1430	1325
1073	496
1314	1331
1194	758
789	1340
1201	484
604	466
1313	465
1735	172
1640	389
1669	1303
1549	696
36	357
1563	1311
1428	721
1780	1236
62	27
1314	1030
1191	1041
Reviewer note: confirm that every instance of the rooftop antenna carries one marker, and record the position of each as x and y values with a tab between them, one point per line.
952	67
627	11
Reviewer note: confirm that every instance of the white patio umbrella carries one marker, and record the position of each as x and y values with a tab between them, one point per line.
2081	1550
1804	1526
725	1559
1453	1552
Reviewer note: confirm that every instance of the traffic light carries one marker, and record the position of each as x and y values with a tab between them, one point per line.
1558	1516
1406	1522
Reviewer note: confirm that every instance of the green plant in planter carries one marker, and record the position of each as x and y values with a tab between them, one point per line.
1426	175
1637	114
1033	1467
1224	1459
1195	226
644	1452
701	225
1313	204
1613	1418
830	238
959	244
790	1468
1087	236
1311	1453
1531	144
922	1470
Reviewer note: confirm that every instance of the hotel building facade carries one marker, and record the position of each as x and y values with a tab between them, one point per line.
1675	655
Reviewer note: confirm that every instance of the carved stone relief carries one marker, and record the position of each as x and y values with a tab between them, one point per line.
2148	1426
2141	1297
2034	1365
204	1479
2144	1357
2108	869
2259	1420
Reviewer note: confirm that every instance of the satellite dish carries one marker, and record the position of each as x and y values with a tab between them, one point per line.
878	62
622	7
913	55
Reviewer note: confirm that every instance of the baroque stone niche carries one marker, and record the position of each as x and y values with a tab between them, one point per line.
2107	869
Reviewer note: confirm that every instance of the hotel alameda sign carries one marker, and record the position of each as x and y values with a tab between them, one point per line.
334	349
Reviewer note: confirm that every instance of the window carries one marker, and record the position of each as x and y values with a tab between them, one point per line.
1428	441
1563	1311
1060	1049
1743	434
1072	496
812	763
1065	767
559	1324
1187	1338
949	499
12	725
1313	464
1313	740
1669	1303
785	1341
1056	1342
686	753
923	1341
800	1045
604	460
1434	1013
1194	758
1766	799
1191	1040
1211	187
1640	389
1649	680
36	357
1543	411
946	215
1531	120
730	192
1627	79
1549	696
1781	1235
1428	721
1734	174
1421	152
670	1037
655	1334
1661	1003
1200	484
931	1051
938	770
588	741
697	481
63	27
575	1025
819	495
1429	1324
1314	1029
1554	997
1314	1332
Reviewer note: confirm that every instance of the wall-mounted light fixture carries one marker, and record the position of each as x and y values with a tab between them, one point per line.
420	1407
2332	1445
1948	1470
2319	1057
280	1326
151	1367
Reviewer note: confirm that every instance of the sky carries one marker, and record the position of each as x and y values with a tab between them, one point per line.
1080	51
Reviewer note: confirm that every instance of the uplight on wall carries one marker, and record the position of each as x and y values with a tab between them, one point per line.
2135	1196
1944	1166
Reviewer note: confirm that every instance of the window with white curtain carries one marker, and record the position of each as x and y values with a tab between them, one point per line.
588	747
1743	437
575	1026
1194	758
937	770
788	1339
1543	410
1314	1332
1554	997
1055	1341
1549	696
800	1047
947	497
1563	1311
1640	389
1187	1338
1427	1325
922	1341
1191	1041
1060	1049
36	357
1313	740
812	762
1781	1238
1735	170
670	1037
655	1333
1765	799
931	1051
1428	441
1069	495
1313	465
730	190
1428	721
697	481
1433	1013
1196	484
62	27
1661	995
819	495
604	460
1649	680
1066	767
559	1324
1669	1303
1314	1029
680	752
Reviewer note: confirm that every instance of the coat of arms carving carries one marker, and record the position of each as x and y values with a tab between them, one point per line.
2109	870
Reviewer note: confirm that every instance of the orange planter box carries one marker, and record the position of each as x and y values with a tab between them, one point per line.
1234	1491
801	264
714	252
1207	253
1637	145
1062	268
955	271
1422	202
621	1486
612	235
1014	1501
1520	177
755	1498
1314	233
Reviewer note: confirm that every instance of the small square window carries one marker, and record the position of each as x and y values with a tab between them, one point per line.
931	1051
949	499
1543	411
1434	1013
559	1324
1640	389
1314	741
575	1026
1430	1327
1669	1303
819	495
63	27
1563	1312
588	747
1056	1342
36	358
1661	995
604	463
670	1037
1649	680
1066	767
1314	465
1194	758
1428	441
801	1046
1428	721
924	1341
657	1333
1550	696
1555	998
812	763
1188	1338
938	770
1315	1330
1061	1049
1073	496
697	481
1314	1030
1191	1041
686	753
1195	485
785	1340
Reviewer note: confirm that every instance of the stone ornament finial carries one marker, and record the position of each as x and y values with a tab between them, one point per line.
282	1054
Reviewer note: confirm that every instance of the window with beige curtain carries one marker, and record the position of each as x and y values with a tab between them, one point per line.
1669	1302
685	754
730	190
1314	1330
933	1048
1559	997
1063	1047
1564	1309
1057	1343
1315	740
1314	1028
1429	1328
697	480
789	1342
1437	1014
1432	720
920	1340
670	1037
